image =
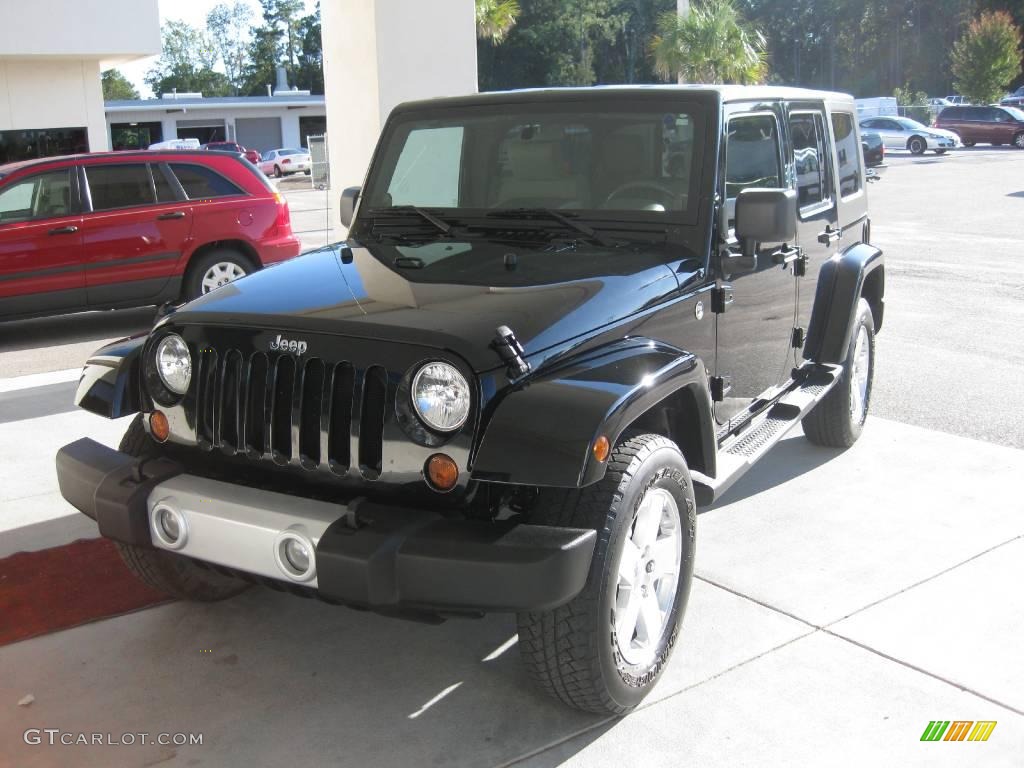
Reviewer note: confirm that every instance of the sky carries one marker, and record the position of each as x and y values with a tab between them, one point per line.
190	11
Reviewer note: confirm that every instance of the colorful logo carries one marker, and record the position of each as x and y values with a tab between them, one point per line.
958	730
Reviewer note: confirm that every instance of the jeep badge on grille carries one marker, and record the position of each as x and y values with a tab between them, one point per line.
288	345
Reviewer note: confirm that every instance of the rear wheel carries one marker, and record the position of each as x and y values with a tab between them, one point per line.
968	143
838	420
164	571
213	270
606	649
917	145
277	172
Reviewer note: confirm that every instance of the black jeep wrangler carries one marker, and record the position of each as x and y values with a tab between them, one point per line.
561	322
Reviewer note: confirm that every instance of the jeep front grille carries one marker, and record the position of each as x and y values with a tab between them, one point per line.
305	412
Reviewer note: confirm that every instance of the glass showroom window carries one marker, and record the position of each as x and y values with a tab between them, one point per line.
43	142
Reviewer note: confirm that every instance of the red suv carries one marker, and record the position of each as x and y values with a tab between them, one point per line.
984	125
130	229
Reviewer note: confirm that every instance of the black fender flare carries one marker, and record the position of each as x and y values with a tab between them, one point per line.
110	383
542	431
841	284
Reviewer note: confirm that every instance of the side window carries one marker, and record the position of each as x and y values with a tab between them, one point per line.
119	186
43	196
810	155
164	191
202	183
429	169
752	154
848	152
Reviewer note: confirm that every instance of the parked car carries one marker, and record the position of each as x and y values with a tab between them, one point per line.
993	125
510	389
874	149
284	162
958	100
938	101
127	229
232	146
904	133
1015	99
175	144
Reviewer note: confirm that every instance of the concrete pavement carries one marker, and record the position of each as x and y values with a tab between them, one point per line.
843	600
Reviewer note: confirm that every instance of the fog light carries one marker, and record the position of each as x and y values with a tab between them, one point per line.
169	526
158	426
297	555
442	472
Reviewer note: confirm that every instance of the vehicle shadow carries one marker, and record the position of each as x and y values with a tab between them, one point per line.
792	457
19	335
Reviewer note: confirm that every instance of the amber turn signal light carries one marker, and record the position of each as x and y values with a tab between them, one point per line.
601	448
442	472
158	426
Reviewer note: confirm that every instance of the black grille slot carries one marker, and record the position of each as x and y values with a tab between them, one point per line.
207	396
230	401
255	405
340	418
371	421
309	413
281	410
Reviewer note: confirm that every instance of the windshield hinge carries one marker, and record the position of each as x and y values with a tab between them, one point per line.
720	387
721	298
510	351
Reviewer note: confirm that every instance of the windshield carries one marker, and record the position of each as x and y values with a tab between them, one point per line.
913	125
631	159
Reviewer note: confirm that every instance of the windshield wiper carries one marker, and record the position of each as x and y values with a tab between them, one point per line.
442	226
561	218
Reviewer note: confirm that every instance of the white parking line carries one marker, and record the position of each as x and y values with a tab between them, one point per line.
39	379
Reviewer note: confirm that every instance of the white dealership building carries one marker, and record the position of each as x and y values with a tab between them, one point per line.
51	55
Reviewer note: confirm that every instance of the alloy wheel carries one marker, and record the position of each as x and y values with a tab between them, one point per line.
860	376
648	573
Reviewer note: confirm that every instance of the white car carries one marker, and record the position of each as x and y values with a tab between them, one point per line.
904	133
284	162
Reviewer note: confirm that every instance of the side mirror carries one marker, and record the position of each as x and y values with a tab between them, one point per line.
349	198
765	216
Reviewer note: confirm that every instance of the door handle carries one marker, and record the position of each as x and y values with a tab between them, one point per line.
171	215
69	230
830	235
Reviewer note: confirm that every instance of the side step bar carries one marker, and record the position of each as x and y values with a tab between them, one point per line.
740	452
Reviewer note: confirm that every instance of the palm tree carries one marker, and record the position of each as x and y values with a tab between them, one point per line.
494	18
710	44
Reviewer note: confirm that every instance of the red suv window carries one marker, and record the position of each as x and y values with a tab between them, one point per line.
200	182
119	186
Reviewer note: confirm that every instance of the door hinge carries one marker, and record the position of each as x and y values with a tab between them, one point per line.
800	265
721	298
720	387
799	336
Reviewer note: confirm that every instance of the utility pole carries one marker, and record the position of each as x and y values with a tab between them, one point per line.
683	9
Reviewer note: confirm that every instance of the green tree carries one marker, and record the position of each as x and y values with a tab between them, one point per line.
229	26
117	86
277	42
186	62
987	57
710	44
309	73
494	19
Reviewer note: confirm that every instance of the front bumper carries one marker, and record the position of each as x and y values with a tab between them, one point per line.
386	558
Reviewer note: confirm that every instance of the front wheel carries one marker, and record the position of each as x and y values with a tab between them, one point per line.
277	172
606	649
838	419
917	145
165	571
1018	140
967	143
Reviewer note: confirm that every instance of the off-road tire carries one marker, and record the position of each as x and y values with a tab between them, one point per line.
571	651
192	287
164	571
830	423
917	145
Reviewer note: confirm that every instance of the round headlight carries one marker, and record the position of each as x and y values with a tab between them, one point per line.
174	364
440	395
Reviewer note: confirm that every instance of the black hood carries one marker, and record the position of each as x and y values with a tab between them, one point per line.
449	295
